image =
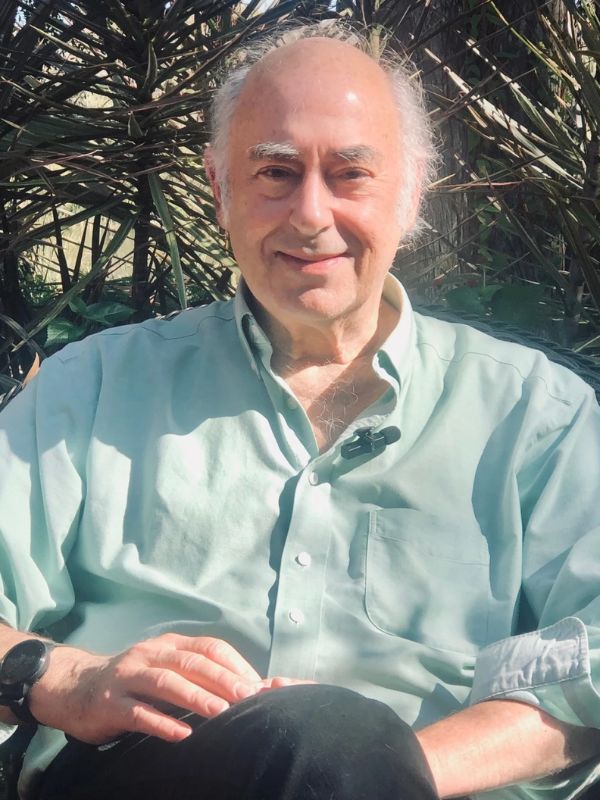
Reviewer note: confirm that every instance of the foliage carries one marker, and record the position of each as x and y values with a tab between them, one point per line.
105	215
101	139
526	90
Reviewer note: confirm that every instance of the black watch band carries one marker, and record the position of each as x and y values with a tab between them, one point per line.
20	708
20	669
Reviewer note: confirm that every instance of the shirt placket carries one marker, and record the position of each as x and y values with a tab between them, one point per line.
301	584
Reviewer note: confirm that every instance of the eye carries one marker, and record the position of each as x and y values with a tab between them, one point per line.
352	174
276	173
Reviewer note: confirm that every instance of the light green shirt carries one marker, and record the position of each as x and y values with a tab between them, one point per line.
160	477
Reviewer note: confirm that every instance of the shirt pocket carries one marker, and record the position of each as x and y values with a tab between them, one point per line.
427	579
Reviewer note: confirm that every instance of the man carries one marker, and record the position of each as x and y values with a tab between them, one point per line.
187	504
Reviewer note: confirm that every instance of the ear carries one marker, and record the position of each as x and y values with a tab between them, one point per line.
211	172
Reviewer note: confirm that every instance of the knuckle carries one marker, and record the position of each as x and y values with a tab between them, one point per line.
162	680
221	676
122	669
192	662
214	648
168	638
135	717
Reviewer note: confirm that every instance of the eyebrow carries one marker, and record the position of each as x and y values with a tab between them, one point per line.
288	152
275	150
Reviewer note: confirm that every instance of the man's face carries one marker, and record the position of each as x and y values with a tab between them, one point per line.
314	176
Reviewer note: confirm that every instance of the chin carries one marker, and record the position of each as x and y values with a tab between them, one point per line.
322	310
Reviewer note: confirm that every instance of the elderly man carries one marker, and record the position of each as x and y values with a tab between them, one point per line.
311	482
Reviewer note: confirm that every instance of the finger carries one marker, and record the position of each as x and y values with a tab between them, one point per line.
140	717
155	684
203	672
222	653
280	683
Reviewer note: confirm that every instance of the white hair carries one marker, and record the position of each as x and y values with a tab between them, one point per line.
417	149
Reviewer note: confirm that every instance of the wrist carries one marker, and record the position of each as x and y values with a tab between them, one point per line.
50	697
431	758
21	667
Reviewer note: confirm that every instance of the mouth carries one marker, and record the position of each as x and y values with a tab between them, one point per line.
315	263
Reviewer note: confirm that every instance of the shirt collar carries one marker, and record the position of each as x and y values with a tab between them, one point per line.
392	357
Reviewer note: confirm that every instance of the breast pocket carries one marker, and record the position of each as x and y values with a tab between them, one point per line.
427	579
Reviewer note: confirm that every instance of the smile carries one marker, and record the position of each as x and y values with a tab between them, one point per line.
313	265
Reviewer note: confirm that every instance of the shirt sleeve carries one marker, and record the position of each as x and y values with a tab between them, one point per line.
555	663
42	458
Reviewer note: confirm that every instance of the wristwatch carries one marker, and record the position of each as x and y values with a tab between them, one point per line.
22	666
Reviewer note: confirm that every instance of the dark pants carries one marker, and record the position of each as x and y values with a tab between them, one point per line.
297	743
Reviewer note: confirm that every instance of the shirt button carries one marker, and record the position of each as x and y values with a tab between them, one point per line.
313	479
296	616
291	403
304	559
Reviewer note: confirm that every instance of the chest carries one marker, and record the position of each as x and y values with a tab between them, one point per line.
334	397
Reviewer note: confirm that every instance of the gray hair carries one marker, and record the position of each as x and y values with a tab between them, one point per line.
417	147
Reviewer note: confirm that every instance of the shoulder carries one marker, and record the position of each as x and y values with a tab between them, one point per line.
134	359
505	366
182	327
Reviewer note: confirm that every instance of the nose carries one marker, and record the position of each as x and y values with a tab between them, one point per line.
312	211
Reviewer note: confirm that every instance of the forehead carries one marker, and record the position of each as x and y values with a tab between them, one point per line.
316	93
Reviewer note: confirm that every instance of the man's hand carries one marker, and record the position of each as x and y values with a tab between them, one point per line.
98	698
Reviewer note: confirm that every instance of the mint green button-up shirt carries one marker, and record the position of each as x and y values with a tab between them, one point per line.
160	477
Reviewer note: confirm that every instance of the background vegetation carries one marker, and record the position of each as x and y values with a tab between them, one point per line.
105	216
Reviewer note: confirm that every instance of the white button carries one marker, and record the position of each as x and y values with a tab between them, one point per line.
304	559
296	616
291	403
313	479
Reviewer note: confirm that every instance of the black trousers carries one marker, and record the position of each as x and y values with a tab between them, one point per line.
309	742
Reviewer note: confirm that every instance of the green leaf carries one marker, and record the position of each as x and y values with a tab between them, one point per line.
164	213
100	264
133	127
62	331
487	292
108	313
465	298
520	305
78	306
152	69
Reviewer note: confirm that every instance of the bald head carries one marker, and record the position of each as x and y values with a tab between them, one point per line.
318	57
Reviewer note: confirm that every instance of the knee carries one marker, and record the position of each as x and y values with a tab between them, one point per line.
324	717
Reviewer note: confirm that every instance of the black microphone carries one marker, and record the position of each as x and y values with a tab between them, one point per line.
370	441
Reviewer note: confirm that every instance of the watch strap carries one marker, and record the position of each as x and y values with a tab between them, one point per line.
20	708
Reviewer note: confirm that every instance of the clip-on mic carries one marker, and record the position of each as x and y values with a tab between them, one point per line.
370	441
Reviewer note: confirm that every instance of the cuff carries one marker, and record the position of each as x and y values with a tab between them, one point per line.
548	668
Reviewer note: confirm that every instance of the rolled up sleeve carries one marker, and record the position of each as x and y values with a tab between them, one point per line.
554	664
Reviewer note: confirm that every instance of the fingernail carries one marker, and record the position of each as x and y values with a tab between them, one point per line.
281	683
242	691
217	706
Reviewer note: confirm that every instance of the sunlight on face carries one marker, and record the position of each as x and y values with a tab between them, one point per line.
314	181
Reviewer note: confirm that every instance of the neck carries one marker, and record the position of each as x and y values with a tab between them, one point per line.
338	342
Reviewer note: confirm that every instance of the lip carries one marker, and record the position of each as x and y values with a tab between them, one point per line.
312	264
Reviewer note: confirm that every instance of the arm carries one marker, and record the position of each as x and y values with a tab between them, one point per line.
501	742
535	701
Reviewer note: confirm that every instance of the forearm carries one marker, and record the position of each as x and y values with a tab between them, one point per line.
501	742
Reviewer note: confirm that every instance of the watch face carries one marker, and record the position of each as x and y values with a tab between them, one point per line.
24	662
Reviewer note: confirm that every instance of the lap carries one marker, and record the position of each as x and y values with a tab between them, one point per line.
299	742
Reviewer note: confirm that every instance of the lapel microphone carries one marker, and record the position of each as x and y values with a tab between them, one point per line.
370	441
